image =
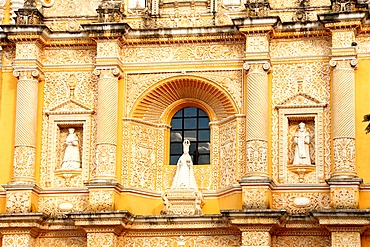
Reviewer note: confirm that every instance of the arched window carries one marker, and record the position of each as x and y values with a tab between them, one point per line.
193	124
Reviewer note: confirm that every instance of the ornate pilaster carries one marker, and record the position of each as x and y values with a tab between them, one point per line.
107	110
257	118
256	183
25	132
344	182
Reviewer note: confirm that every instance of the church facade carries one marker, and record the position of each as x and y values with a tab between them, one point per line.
261	102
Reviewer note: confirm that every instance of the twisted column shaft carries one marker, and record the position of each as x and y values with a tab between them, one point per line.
25	130
257	118
343	117
107	111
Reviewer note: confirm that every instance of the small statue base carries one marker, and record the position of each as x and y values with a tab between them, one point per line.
182	202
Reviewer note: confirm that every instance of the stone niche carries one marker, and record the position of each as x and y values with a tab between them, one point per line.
57	173
291	113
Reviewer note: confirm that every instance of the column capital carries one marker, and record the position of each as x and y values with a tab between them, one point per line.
28	74
255	66
343	62
108	72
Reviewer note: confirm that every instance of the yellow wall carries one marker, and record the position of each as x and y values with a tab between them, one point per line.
362	108
7	122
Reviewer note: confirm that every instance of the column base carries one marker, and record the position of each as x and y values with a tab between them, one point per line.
102	196
21	198
256	192
344	192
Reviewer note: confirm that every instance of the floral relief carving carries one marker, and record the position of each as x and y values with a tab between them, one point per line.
18	202
176	21
302	48
198	241
71	8
257	43
58	89
18	240
306	241
144	156
69	56
101	239
108	48
50	204
228	156
256	239
344	155
346	239
255	198
67	242
181	52
344	197
257	156
342	38
27	50
24	161
100	200
287	201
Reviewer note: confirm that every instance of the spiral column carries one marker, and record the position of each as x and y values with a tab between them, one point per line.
25	130
107	111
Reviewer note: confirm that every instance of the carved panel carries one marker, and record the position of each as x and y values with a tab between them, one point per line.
306	241
344	197
175	21
101	239
363	44
228	155
255	197
50	204
344	155
67	242
18	202
28	50
68	56
281	4
301	47
342	38
180	52
288	202
101	200
256	239
59	86
345	239
198	241
18	240
71	8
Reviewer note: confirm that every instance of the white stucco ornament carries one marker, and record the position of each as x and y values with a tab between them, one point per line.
65	206
301	201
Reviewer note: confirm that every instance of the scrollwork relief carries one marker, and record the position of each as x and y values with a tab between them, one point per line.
50	204
101	239
18	240
256	239
345	239
286	201
228	156
18	202
67	242
71	8
302	47
307	241
101	200
344	197
67	56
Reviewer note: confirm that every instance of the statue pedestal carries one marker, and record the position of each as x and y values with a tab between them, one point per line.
68	174
301	170
182	202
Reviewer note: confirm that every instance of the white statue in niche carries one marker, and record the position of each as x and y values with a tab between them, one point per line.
71	159
302	141
184	177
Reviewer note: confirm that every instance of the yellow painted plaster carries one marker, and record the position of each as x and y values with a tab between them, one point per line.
362	108
8	94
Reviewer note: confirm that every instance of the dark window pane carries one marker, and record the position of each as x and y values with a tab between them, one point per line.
202	113
192	148
176	136
191	135
203	135
203	148
178	114
204	159
203	123
174	159
176	148
190	123
190	112
176	123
